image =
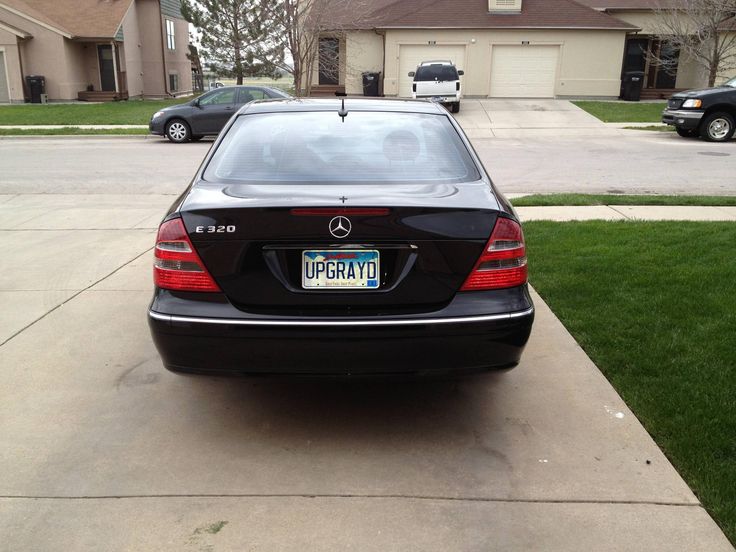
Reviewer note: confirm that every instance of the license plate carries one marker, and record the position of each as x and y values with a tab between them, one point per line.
341	268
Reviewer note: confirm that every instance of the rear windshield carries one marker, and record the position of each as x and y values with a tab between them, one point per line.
381	147
436	72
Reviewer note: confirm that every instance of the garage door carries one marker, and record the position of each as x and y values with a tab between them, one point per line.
410	56
523	71
4	92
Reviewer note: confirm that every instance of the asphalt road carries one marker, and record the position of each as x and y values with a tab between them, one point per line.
102	449
592	159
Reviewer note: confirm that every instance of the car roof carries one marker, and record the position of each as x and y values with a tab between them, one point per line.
351	103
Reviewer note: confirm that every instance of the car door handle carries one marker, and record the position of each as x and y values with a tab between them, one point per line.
229	108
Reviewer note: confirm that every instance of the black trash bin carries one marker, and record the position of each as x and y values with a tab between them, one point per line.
370	84
631	86
36	87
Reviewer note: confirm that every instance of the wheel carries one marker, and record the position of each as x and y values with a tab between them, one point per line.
717	127
196	137
177	131
687	132
456	107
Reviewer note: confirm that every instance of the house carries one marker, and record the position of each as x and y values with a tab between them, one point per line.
507	48
94	49
681	74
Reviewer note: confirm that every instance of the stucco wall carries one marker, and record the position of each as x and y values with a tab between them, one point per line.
130	57
363	52
149	25
80	71
176	59
589	63
44	54
9	45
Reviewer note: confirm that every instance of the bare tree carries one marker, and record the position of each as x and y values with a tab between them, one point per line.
297	27
703	31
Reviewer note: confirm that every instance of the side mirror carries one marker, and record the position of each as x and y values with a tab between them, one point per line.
195	102
461	72
412	73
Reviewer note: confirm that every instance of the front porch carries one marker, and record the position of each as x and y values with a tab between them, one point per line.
107	81
665	71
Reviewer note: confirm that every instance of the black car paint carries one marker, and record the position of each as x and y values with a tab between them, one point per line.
208	120
258	326
716	99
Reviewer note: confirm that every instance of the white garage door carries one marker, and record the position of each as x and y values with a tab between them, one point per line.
4	92
412	55
523	71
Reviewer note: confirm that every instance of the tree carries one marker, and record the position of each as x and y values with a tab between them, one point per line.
232	32
703	31
296	28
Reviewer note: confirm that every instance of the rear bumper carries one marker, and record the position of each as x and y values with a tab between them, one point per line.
443	99
369	346
682	118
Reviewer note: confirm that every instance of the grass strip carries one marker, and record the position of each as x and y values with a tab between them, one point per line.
654	305
130	112
548	200
624	112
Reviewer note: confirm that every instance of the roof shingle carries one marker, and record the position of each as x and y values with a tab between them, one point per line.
78	18
474	14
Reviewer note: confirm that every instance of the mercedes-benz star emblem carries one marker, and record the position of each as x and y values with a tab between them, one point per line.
340	227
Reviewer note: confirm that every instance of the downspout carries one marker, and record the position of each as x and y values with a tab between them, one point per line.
18	42
162	30
382	34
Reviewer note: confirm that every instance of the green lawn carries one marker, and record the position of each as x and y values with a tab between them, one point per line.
69	131
624	112
131	112
654	305
544	200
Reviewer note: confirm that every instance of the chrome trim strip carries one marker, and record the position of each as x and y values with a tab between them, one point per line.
684	114
341	323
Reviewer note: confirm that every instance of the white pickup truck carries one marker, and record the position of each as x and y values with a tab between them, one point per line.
439	81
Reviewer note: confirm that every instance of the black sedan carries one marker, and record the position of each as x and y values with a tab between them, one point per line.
326	239
207	114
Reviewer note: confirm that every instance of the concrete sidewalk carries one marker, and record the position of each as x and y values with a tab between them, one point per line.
627	212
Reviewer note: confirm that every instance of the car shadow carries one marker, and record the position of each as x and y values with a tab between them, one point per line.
373	412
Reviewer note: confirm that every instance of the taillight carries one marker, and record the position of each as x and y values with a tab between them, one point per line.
457	86
413	87
503	261
177	265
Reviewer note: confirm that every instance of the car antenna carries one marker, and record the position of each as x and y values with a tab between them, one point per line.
342	112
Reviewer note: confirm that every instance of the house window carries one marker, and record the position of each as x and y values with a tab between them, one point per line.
173	82
170	34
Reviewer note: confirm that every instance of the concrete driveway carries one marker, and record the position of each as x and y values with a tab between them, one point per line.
101	449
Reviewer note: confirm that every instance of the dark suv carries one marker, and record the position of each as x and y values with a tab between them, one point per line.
709	113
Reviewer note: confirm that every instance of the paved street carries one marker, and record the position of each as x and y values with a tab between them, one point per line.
528	146
102	449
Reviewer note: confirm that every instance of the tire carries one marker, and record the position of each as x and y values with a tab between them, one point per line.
196	137
178	131
456	107
717	127
687	132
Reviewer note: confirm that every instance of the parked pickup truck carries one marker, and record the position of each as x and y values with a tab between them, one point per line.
709	113
439	81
